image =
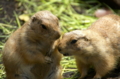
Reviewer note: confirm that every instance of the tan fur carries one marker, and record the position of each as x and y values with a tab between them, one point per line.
99	46
30	52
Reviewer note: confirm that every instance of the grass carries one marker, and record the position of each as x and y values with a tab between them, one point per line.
66	10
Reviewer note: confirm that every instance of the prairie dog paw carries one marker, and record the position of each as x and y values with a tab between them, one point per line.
48	60
97	77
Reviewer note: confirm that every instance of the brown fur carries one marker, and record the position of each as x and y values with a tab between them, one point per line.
99	46
30	52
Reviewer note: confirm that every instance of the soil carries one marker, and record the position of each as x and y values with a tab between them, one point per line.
115	74
7	16
8	7
7	10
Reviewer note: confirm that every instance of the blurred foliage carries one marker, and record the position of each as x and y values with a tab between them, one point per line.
73	14
63	9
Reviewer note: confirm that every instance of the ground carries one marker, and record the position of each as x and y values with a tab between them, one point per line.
115	74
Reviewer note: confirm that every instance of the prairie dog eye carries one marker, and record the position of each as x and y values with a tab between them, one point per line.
73	41
43	26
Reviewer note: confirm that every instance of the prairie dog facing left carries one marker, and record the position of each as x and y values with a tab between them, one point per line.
30	52
99	46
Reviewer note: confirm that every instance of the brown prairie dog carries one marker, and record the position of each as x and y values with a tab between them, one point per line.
99	46
30	52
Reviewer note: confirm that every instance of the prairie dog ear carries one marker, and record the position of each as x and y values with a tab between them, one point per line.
85	37
34	19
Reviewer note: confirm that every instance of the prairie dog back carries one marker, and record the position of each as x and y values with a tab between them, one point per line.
108	26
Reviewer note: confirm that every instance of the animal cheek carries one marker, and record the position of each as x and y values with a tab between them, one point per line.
77	47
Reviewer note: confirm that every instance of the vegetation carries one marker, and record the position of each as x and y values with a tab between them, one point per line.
73	14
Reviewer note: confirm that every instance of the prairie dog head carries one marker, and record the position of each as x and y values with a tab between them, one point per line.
45	25
80	42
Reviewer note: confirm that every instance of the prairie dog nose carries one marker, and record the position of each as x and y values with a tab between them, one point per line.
59	49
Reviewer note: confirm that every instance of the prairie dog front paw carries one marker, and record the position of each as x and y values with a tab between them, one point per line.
48	60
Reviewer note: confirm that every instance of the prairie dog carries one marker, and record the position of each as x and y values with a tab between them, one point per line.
30	52
99	46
